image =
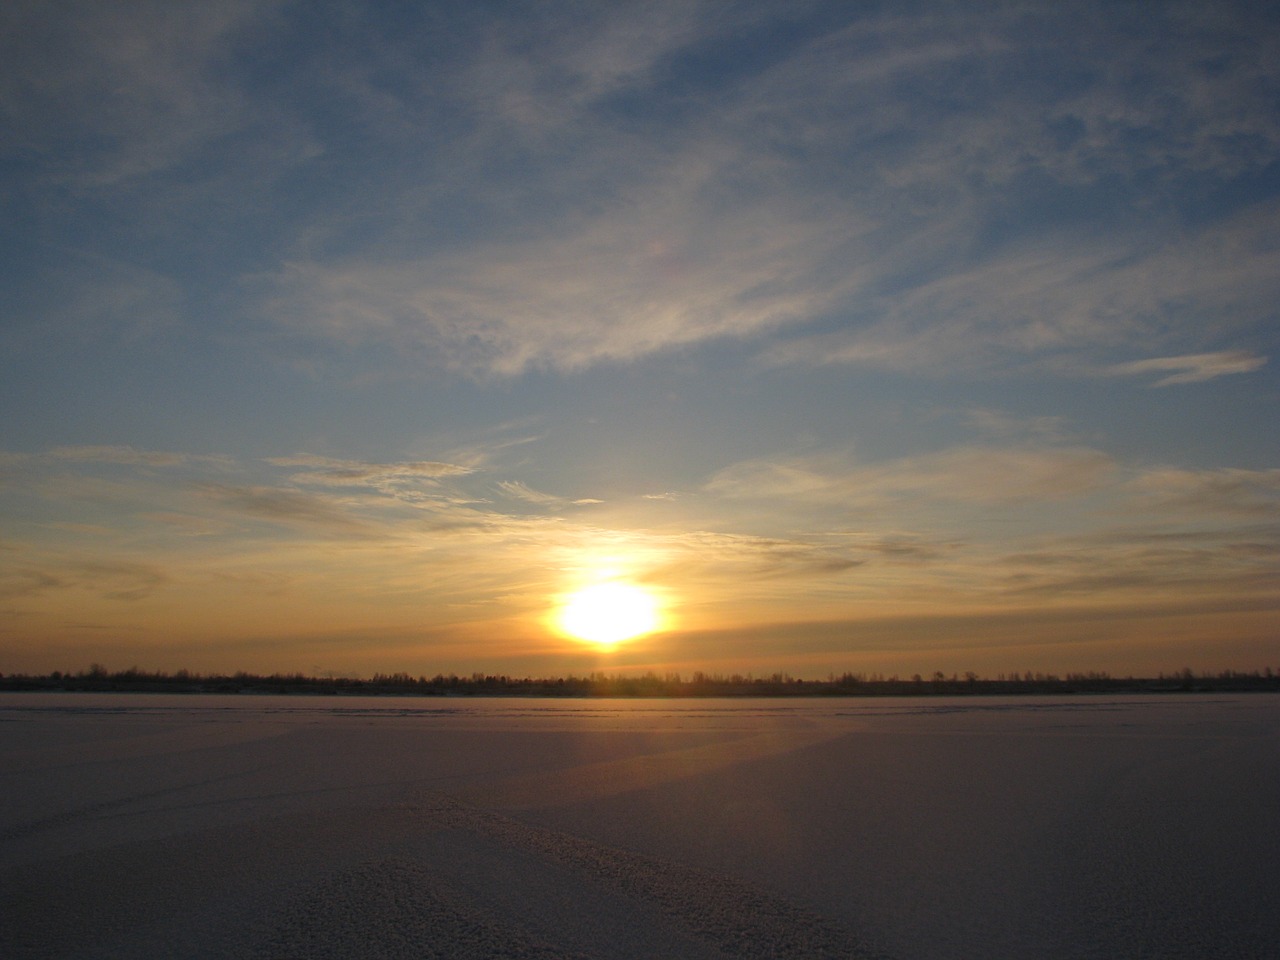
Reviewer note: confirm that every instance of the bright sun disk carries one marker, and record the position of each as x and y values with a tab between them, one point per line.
607	613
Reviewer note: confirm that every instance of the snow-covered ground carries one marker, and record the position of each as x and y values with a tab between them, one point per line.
272	827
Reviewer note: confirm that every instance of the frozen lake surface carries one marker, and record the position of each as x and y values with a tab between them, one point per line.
139	826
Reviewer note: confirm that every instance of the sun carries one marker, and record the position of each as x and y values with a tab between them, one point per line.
608	613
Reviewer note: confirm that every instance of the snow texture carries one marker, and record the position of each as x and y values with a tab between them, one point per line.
135	826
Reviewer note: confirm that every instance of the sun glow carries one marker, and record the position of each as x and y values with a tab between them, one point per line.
610	612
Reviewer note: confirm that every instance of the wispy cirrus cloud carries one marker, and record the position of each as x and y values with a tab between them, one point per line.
1054	304
663	272
145	80
1152	561
36	573
355	473
973	474
129	456
739	215
732	556
1006	426
1192	368
294	508
1226	491
80	297
517	490
553	73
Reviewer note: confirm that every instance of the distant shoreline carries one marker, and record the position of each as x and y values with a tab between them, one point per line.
597	686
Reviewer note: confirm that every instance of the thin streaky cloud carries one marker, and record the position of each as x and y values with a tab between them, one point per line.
516	490
654	278
336	472
1192	368
41	572
285	506
1206	569
1234	491
82	297
999	423
1068	299
120	454
974	474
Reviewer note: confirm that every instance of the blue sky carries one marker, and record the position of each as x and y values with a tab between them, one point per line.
914	336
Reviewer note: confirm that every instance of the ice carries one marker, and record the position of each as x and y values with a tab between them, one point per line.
263	826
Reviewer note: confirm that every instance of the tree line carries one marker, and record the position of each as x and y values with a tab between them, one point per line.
98	678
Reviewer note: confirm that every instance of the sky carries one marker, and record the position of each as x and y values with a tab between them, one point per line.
355	337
